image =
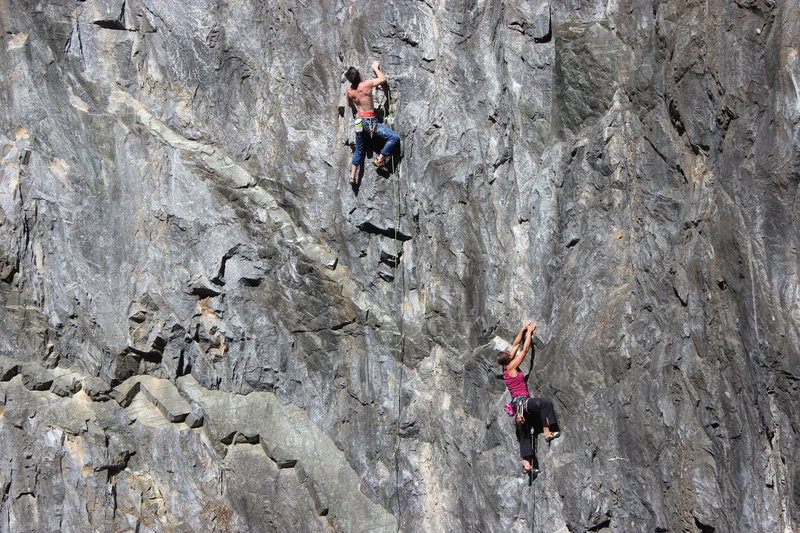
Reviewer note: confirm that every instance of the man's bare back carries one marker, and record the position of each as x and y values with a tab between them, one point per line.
361	96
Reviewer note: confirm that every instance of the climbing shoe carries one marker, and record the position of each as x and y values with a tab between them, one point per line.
381	164
552	436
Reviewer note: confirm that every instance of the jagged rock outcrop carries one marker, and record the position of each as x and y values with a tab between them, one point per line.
205	328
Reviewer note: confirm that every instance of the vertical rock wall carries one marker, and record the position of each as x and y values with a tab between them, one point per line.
205	328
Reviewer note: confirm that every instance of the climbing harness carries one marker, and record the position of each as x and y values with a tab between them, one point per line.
519	404
365	118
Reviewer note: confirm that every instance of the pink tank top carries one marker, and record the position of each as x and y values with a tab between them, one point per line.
516	385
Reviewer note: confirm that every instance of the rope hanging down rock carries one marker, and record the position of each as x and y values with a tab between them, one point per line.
400	346
401	340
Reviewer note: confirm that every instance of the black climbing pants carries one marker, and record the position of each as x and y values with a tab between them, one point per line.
538	413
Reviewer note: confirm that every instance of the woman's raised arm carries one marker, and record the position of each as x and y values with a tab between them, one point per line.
518	358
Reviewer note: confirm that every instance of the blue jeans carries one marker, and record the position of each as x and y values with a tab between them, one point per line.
381	131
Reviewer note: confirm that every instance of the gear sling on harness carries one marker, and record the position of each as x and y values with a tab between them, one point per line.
518	405
358	123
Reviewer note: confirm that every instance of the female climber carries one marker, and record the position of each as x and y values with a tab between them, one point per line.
529	413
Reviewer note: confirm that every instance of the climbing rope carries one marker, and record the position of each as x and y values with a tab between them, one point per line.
401	341
400	345
533	511
535	449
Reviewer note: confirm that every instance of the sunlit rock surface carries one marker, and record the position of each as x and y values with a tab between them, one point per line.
206	328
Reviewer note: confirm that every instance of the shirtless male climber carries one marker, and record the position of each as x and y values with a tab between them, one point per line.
359	95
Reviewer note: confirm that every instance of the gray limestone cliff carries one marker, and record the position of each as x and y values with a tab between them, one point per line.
204	327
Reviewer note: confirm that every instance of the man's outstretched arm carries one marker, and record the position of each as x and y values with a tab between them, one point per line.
379	77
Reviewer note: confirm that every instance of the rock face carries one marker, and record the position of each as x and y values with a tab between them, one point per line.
205	328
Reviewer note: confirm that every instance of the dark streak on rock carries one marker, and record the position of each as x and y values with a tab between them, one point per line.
392	233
